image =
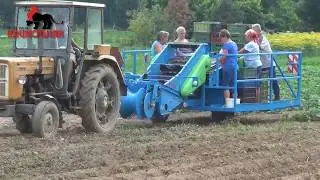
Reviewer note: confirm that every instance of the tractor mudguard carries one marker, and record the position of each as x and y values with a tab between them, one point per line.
112	61
198	72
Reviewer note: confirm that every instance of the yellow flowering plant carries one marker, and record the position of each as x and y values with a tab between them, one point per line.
294	41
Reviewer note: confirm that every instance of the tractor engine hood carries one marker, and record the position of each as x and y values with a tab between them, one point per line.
12	69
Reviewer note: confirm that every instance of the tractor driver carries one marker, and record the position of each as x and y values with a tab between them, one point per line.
74	54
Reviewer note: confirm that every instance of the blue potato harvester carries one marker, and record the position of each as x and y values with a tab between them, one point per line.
188	76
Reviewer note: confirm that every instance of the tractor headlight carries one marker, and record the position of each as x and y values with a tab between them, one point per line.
22	80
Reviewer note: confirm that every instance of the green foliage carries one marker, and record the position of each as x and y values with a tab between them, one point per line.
309	12
142	24
284	16
146	22
226	11
202	8
252	10
180	15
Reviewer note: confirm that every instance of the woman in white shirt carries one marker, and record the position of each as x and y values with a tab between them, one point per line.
251	61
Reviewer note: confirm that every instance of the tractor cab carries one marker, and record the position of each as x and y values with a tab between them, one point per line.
47	28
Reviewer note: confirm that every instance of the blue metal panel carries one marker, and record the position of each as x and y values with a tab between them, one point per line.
161	58
214	96
170	100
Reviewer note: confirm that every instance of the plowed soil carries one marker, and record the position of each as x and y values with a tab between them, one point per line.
188	146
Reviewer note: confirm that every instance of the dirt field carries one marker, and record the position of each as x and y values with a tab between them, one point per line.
259	147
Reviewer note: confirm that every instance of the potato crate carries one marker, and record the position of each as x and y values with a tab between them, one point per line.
253	92
248	73
254	95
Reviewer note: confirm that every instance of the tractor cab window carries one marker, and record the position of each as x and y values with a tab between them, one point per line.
94	28
78	29
41	28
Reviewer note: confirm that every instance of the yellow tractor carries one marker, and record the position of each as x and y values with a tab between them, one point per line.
60	64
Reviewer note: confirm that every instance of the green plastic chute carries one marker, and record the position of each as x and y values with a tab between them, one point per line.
197	76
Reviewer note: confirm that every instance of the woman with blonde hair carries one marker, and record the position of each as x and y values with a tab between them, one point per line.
181	32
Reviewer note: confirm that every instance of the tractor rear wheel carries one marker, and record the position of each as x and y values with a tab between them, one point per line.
218	117
23	123
99	99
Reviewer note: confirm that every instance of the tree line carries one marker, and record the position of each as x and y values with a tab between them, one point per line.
279	15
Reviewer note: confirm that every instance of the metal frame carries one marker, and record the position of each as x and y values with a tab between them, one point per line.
200	103
87	29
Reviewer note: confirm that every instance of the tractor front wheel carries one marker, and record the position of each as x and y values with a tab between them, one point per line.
99	99
45	120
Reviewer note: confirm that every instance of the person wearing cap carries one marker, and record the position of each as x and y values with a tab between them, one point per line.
266	60
159	43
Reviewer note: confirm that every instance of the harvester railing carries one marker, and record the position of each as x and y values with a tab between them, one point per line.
134	55
283	77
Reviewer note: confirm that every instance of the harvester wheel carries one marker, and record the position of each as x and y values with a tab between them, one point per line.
158	118
23	123
45	120
99	99
218	117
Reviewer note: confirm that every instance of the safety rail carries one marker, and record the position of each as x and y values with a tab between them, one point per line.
283	77
134	54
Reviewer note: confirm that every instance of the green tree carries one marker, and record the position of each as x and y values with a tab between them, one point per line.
252	11
309	13
226	11
142	25
282	14
202	8
179	14
146	22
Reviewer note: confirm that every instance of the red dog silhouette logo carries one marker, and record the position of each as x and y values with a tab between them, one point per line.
38	19
34	17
